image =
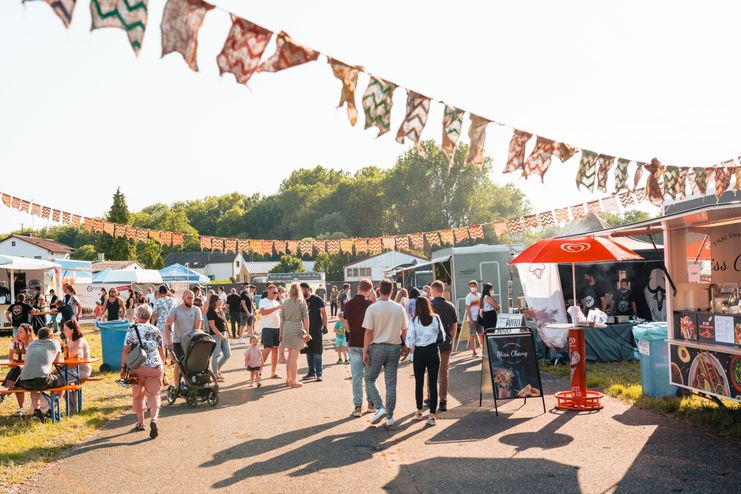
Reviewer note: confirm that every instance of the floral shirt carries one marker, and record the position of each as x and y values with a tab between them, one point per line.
151	341
163	306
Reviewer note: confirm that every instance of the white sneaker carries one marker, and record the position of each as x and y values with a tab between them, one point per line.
241	341
380	414
389	421
20	412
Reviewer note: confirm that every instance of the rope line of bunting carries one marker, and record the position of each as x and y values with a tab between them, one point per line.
246	43
360	246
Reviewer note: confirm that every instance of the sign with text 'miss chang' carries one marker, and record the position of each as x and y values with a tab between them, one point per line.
726	253
513	364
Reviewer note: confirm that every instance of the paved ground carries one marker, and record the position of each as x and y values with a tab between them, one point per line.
276	440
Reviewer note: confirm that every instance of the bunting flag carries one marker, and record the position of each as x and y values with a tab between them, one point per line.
515	226
587	170
500	228
36	209
348	75
256	247
640	195
319	246
76	220
287	54
109	228
243	49
546	219
89	224
610	205
333	246
243	246
516	156
280	247
346	245
621	174
292	247
402	243
6	200
653	189
709	175
418	107
205	242
626	199
177	240
375	245
130	232
577	212
377	103
181	21
564	151
26	206
63	9
267	247
562	215
698	181
477	135
45	212
604	163
671	181
56	215
461	234
361	246
476	232
682	184
737	185
156	235
723	178
217	243
129	15
540	158
446	237
388	243
531	221
417	240
638	173
66	218
230	245
120	231
15	203
594	207
432	238
452	126
141	235
306	249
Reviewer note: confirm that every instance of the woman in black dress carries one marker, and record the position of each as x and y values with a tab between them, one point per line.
489	307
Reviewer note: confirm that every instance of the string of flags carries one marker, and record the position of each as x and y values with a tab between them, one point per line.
358	246
242	56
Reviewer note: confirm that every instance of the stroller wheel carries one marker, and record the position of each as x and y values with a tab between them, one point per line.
213	398
172	394
191	399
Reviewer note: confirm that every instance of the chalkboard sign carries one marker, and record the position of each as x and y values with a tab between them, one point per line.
513	365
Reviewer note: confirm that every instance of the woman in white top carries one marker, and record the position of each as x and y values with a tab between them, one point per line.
489	307
422	340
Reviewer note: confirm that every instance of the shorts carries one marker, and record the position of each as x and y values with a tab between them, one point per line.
270	337
41	383
340	341
177	350
253	369
250	320
476	327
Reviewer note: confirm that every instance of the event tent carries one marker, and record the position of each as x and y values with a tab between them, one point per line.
178	272
128	276
14	264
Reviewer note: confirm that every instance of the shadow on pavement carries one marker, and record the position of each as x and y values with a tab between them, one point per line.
545	438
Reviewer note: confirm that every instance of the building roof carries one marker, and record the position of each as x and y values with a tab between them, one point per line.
265	266
198	259
99	266
44	243
387	260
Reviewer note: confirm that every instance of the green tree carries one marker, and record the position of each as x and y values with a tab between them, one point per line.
289	264
331	265
85	253
625	218
149	254
118	249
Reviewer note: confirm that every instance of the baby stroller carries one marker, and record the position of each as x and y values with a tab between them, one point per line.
197	383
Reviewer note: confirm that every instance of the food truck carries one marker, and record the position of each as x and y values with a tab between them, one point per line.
702	254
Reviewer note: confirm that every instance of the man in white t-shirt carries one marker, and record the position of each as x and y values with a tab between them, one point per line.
269	308
184	318
473	300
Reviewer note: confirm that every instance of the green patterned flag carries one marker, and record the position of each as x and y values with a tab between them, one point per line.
671	181
129	15
452	125
682	183
587	170
698	181
621	174
604	163
377	103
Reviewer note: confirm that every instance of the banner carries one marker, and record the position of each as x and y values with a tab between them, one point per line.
541	286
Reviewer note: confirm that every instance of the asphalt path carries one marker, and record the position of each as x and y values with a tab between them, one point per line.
276	440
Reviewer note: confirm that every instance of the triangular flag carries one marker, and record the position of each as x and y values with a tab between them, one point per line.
452	125
287	54
130	232
418	107
577	212
562	215
6	199
417	241
361	246
129	15
388	243
206	242
25	206
698	181
76	220
604	164
66	218
546	219
63	9
319	246
109	228
230	245
375	245
120	231
477	135
500	228
279	246
217	243
638	173
402	243
531	221
476	232
56	215
292	246
621	174
333	246
45	212
446	237
36	209
348	75
432	238
723	177
540	158
587	170
564	151
594	207
626	199
377	103
346	245
181	21
89	224
141	235
156	234
461	234
653	189
516	156
15	203
243	246
515	226
671	181
243	49
306	249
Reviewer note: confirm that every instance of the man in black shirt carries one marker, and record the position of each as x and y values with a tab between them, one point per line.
246	307
625	304
317	327
593	297
18	313
234	303
449	318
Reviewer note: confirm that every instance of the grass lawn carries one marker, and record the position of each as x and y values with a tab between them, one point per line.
27	444
623	380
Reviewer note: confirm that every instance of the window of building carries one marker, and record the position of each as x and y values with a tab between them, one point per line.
37	257
12	243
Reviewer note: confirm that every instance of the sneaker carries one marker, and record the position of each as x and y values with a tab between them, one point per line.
418	415
139	427
22	411
357	412
241	341
443	406
378	416
153	432
339	360
307	377
427	402
47	414
431	421
371	408
389	421
318	379
347	362
36	414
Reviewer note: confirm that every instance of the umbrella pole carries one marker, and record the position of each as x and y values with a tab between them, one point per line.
573	282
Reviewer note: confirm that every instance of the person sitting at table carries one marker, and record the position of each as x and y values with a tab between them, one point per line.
114	307
78	347
18	345
37	374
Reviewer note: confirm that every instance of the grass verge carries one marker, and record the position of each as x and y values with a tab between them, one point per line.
623	380
26	444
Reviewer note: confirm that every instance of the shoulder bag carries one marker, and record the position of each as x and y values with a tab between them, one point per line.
137	355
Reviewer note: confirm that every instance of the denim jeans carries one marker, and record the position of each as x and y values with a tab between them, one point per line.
357	369
386	356
223	350
314	360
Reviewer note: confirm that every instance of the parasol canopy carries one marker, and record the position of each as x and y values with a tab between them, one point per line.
575	250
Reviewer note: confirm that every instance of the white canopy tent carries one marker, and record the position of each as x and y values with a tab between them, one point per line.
128	276
13	264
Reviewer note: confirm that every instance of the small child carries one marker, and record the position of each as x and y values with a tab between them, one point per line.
253	361
340	339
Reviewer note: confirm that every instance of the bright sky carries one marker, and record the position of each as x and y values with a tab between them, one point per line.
80	115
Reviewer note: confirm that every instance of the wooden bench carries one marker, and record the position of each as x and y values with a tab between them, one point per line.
92	379
51	395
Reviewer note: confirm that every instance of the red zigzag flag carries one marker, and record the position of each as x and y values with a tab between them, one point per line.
243	49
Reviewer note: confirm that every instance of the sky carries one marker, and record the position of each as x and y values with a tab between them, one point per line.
80	115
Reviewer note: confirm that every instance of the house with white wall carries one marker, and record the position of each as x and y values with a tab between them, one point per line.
375	268
34	248
215	265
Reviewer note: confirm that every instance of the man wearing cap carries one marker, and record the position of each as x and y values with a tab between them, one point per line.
472	312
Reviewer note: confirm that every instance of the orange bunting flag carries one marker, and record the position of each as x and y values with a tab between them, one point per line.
319	246
15	203
130	232
516	157
346	245
66	218
25	206
375	245
653	189
432	238
287	54
231	245
626	199
500	228
361	246
417	240
348	75
243	49
723	178
267	247
243	246
141	235
531	221
540	158
76	220
562	215
217	244
388	243
129	15
45	212
292	247
181	21
89	222
476	232
477	135
577	212
564	151
333	246
418	107
36	209
154	235
177	239
546	219
109	228
737	185
120	231
594	207
280	246
446	237
461	234
56	215
609	204
402	243
515	226
206	242
640	195
6	200
306	249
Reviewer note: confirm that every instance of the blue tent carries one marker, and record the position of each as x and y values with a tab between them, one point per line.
178	272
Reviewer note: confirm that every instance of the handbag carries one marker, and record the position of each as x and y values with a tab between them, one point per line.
440	338
137	356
